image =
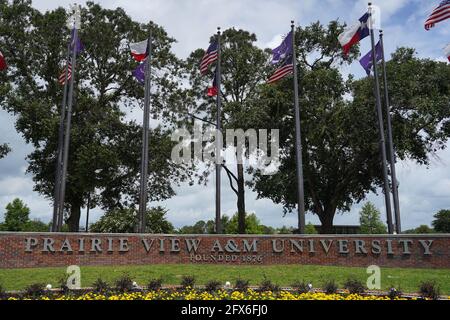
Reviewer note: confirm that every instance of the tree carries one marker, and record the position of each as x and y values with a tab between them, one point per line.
4	150
423	229
16	215
369	219
243	67
441	223
252	225
310	229
105	148
198	228
36	226
124	221
341	158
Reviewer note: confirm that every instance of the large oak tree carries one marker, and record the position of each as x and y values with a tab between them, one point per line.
105	146
339	129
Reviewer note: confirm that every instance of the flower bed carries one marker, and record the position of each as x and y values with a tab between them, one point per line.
193	294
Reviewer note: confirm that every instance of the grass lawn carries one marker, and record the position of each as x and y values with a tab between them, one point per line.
407	280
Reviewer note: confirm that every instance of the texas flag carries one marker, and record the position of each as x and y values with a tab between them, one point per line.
447	51
352	35
139	50
213	90
3	65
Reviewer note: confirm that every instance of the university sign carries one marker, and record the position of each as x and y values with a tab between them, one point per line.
24	250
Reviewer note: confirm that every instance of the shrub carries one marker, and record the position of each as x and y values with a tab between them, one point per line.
354	286
154	284
330	287
394	293
2	292
34	291
63	285
124	284
300	287
241	285
100	286
267	285
187	282
429	289
213	285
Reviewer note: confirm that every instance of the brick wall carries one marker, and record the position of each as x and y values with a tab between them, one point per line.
28	250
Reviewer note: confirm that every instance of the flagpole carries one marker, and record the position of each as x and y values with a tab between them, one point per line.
298	143
381	126
218	132
60	149
145	140
67	134
392	158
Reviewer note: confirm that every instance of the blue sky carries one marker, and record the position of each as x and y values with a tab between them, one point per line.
423	191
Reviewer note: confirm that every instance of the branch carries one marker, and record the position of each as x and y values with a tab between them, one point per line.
203	120
230	177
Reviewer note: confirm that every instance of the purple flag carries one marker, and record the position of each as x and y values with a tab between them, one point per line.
79	47
139	73
367	62
284	50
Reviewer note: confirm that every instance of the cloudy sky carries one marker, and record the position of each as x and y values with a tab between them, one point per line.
423	191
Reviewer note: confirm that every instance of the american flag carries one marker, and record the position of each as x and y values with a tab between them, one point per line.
210	56
62	77
286	68
441	13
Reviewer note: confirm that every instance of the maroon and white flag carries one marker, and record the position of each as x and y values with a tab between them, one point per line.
3	64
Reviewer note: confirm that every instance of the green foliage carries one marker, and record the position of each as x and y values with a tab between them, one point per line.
300	287
354	286
285	230
63	284
442	221
2	292
241	285
423	229
100	286
16	216
188	282
252	225
154	284
200	227
310	229
34	291
213	286
37	226
124	284
267	285
369	219
244	66
105	147
341	160
394	293
4	150
330	287
430	290
124	221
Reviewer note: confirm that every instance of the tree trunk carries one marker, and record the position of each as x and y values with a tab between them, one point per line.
327	221
74	220
241	199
